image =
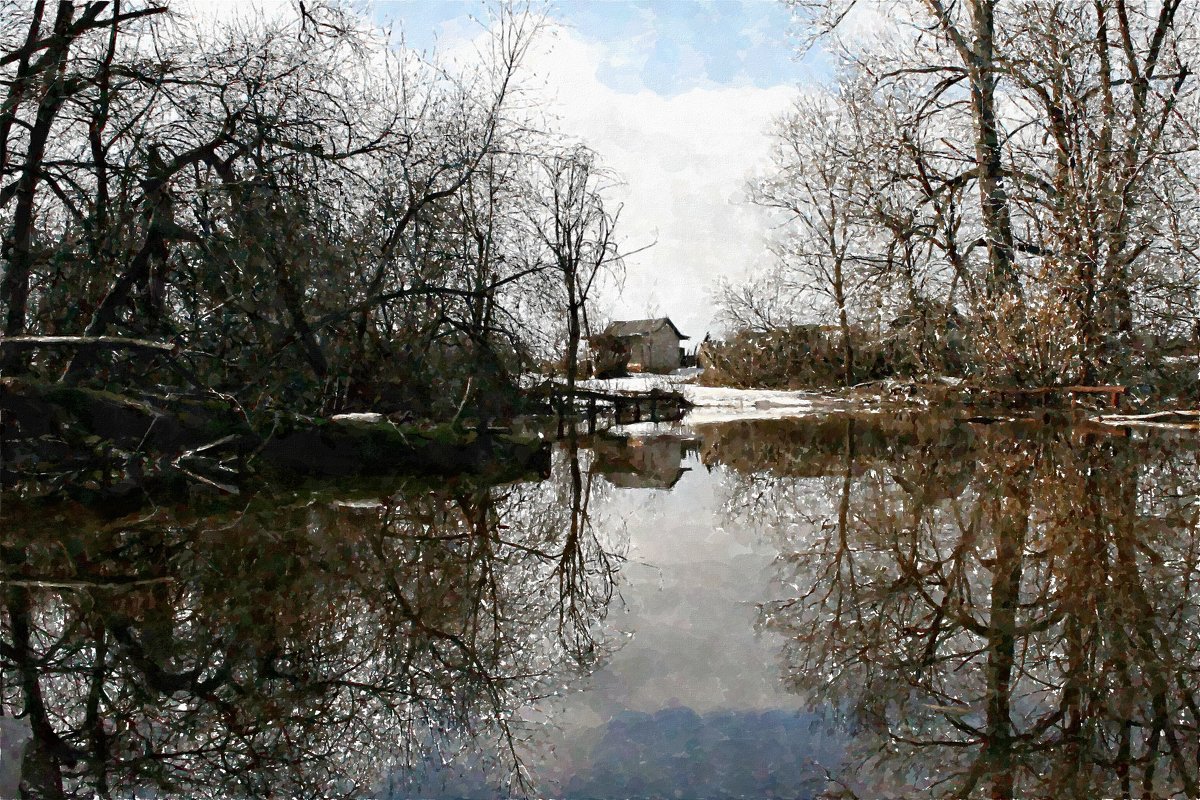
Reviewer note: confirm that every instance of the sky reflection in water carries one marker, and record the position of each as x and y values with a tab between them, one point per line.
916	607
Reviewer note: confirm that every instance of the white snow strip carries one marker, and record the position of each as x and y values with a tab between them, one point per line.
358	416
358	504
720	404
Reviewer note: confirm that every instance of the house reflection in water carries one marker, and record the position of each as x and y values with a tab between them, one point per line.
642	462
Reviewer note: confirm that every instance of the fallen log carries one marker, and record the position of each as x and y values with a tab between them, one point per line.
114	343
110	342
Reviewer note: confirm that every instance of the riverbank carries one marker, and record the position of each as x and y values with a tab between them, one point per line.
714	404
100	447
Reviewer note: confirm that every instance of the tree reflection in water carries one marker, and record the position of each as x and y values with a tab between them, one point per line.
1000	612
297	646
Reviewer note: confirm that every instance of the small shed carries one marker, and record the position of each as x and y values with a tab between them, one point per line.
653	344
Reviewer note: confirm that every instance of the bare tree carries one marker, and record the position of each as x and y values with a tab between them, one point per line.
46	73
814	183
577	232
1042	156
303	213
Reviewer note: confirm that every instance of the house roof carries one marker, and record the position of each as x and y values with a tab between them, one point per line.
642	327
630	479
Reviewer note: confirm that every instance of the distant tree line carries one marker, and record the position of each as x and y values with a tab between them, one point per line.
288	209
1004	191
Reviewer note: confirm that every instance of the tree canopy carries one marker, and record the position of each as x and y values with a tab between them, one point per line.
304	212
1022	173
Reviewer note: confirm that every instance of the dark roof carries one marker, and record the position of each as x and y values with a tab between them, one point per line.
642	327
641	480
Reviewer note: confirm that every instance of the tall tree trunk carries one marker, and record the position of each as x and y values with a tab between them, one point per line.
18	243
572	354
1002	278
839	293
158	216
20	83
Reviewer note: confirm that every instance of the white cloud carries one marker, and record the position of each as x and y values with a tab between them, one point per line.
685	159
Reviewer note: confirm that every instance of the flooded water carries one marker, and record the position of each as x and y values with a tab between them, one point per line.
834	606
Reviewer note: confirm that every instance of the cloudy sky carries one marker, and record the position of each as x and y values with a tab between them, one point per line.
675	95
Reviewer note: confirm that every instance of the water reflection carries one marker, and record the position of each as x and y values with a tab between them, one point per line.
964	610
676	752
297	646
641	462
998	611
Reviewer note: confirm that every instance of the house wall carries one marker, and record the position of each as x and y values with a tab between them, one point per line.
656	352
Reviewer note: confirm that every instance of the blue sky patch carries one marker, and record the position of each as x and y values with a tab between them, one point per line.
663	46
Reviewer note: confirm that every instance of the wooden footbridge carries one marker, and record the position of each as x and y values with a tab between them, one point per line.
619	407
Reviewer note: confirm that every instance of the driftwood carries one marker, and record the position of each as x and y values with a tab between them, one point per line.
1183	419
1113	393
80	583
1006	395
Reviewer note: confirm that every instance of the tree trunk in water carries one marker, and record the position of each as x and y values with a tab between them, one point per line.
1009	529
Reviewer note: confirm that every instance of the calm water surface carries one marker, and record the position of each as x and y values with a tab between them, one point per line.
827	607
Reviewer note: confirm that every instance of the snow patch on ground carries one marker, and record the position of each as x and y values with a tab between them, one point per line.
721	404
